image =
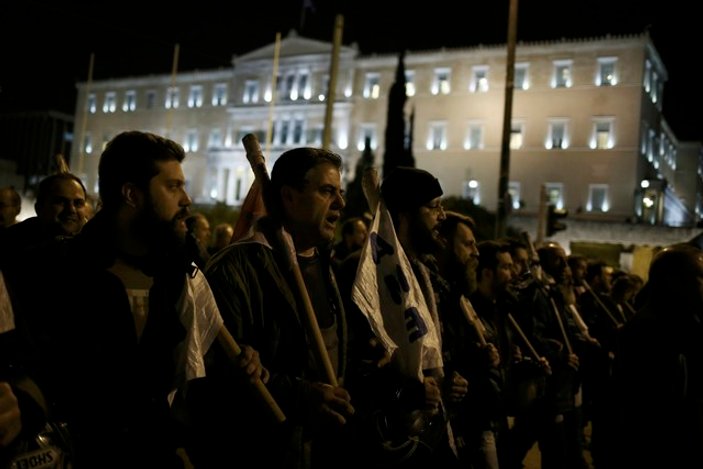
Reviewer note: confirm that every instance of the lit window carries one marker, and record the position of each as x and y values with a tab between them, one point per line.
410	83
195	98
324	88
557	137
287	87
284	131
562	74
647	78
440	83
191	143
172	98
251	92
367	131
372	88
520	79
514	192
437	138
298	131
304	86
472	191
110	104
555	194
602	137
474	137
606	71
92	103
88	144
654	92
219	94
479	81
516	137
215	139
597	198
150	99
130	101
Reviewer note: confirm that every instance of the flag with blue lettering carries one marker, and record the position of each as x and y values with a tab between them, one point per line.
387	292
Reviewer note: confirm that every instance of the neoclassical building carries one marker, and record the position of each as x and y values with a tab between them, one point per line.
587	122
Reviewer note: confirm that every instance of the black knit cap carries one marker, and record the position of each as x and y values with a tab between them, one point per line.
407	188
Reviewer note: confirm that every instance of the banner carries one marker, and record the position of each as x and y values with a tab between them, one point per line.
387	292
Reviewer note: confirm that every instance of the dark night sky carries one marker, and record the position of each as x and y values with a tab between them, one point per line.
49	48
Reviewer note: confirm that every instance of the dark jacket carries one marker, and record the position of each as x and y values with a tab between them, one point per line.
110	387
254	292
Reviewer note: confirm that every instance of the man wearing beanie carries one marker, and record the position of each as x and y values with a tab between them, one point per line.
413	198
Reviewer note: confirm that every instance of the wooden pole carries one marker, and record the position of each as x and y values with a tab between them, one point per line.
332	88
84	121
524	338
174	70
504	176
274	92
232	349
284	242
470	314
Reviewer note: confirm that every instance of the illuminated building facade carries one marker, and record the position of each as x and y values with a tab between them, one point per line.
586	122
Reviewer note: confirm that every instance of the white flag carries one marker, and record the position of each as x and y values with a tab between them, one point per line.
387	292
201	318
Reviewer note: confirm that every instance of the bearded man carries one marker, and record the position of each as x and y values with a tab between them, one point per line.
109	319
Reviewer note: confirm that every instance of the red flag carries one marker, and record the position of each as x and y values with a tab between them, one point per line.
252	209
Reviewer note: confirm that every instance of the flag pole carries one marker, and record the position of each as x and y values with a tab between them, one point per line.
233	350
332	87
256	159
274	88
174	70
84	122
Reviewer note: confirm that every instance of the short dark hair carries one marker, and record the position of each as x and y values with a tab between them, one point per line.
514	244
448	226
131	156
488	255
290	169
46	185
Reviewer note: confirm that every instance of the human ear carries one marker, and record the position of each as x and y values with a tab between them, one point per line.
131	194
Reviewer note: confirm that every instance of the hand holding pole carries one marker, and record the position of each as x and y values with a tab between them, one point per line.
258	165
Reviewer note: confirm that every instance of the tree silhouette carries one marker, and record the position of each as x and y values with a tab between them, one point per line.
355	198
397	152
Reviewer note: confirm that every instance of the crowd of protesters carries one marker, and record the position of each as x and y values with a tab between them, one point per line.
399	341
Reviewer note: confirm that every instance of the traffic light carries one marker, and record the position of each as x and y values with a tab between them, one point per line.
553	216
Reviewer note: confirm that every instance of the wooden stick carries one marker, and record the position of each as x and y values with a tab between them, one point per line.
470	314
600	303
256	159
524	338
232	349
580	323
567	342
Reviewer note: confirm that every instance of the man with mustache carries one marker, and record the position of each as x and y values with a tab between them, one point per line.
110	356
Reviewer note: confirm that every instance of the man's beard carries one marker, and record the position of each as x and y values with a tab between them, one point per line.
163	238
465	277
425	240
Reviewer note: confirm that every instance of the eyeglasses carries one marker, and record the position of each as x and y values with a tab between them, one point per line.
436	207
